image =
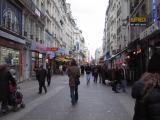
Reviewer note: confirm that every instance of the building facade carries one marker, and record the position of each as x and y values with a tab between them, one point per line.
137	34
28	28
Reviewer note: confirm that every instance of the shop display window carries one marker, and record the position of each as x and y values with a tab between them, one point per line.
9	56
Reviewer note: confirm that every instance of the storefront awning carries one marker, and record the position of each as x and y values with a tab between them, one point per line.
62	59
116	55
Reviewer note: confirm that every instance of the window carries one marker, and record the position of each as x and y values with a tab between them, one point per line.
10	21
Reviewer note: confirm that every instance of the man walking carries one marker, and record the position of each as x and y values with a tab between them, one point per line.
41	79
49	76
88	73
74	74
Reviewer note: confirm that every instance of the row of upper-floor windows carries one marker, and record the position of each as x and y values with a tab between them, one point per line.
32	30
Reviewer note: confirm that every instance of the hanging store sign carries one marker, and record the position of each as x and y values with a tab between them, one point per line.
51	49
153	28
154	11
138	21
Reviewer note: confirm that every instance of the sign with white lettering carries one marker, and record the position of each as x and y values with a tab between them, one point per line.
154	27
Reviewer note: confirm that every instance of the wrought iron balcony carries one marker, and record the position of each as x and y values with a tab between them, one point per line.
30	5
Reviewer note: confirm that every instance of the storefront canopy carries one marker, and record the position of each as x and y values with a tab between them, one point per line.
62	59
116	55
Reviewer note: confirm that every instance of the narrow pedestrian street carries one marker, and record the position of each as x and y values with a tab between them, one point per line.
96	102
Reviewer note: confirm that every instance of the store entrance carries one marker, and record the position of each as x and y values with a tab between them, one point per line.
11	57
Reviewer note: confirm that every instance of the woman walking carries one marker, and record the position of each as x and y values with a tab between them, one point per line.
146	91
74	74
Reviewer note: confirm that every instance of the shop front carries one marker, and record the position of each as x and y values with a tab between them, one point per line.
11	54
38	57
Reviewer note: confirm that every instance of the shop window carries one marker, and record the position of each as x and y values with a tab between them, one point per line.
9	56
10	21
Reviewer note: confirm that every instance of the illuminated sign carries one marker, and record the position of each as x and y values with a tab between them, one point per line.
150	30
138	21
51	49
154	11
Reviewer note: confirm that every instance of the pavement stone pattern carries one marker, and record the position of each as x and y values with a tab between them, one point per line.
96	102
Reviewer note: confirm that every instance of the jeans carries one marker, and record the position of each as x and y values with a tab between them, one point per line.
74	94
124	85
88	76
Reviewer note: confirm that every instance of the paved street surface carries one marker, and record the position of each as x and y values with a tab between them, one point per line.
96	102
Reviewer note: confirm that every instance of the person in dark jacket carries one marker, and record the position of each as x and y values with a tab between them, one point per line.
116	76
82	69
146	91
74	74
42	73
5	79
36	72
104	73
100	73
95	73
88	73
49	76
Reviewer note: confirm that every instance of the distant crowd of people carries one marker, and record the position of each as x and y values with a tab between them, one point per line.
117	77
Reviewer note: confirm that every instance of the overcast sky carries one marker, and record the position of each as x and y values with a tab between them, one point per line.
90	18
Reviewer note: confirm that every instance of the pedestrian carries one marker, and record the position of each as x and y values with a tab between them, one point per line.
64	69
82	69
49	76
36	71
88	73
6	78
116	77
95	73
100	73
73	74
146	91
123	81
42	73
60	70
104	73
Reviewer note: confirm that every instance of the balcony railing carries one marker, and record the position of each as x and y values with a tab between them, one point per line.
30	5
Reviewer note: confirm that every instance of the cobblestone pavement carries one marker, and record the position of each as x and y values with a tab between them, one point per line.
96	102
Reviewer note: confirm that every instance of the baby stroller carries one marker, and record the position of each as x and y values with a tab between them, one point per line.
15	98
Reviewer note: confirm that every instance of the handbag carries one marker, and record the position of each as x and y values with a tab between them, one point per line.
78	82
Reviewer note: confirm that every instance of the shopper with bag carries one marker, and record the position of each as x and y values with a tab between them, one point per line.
73	74
146	91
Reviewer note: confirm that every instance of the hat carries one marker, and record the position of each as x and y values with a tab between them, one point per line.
154	63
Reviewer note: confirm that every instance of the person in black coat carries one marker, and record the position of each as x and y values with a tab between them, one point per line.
42	73
146	91
100	73
5	79
82	69
104	73
95	73
49	76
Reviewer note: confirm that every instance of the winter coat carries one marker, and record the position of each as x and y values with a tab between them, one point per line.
41	75
5	79
146	108
88	69
73	74
95	71
49	72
